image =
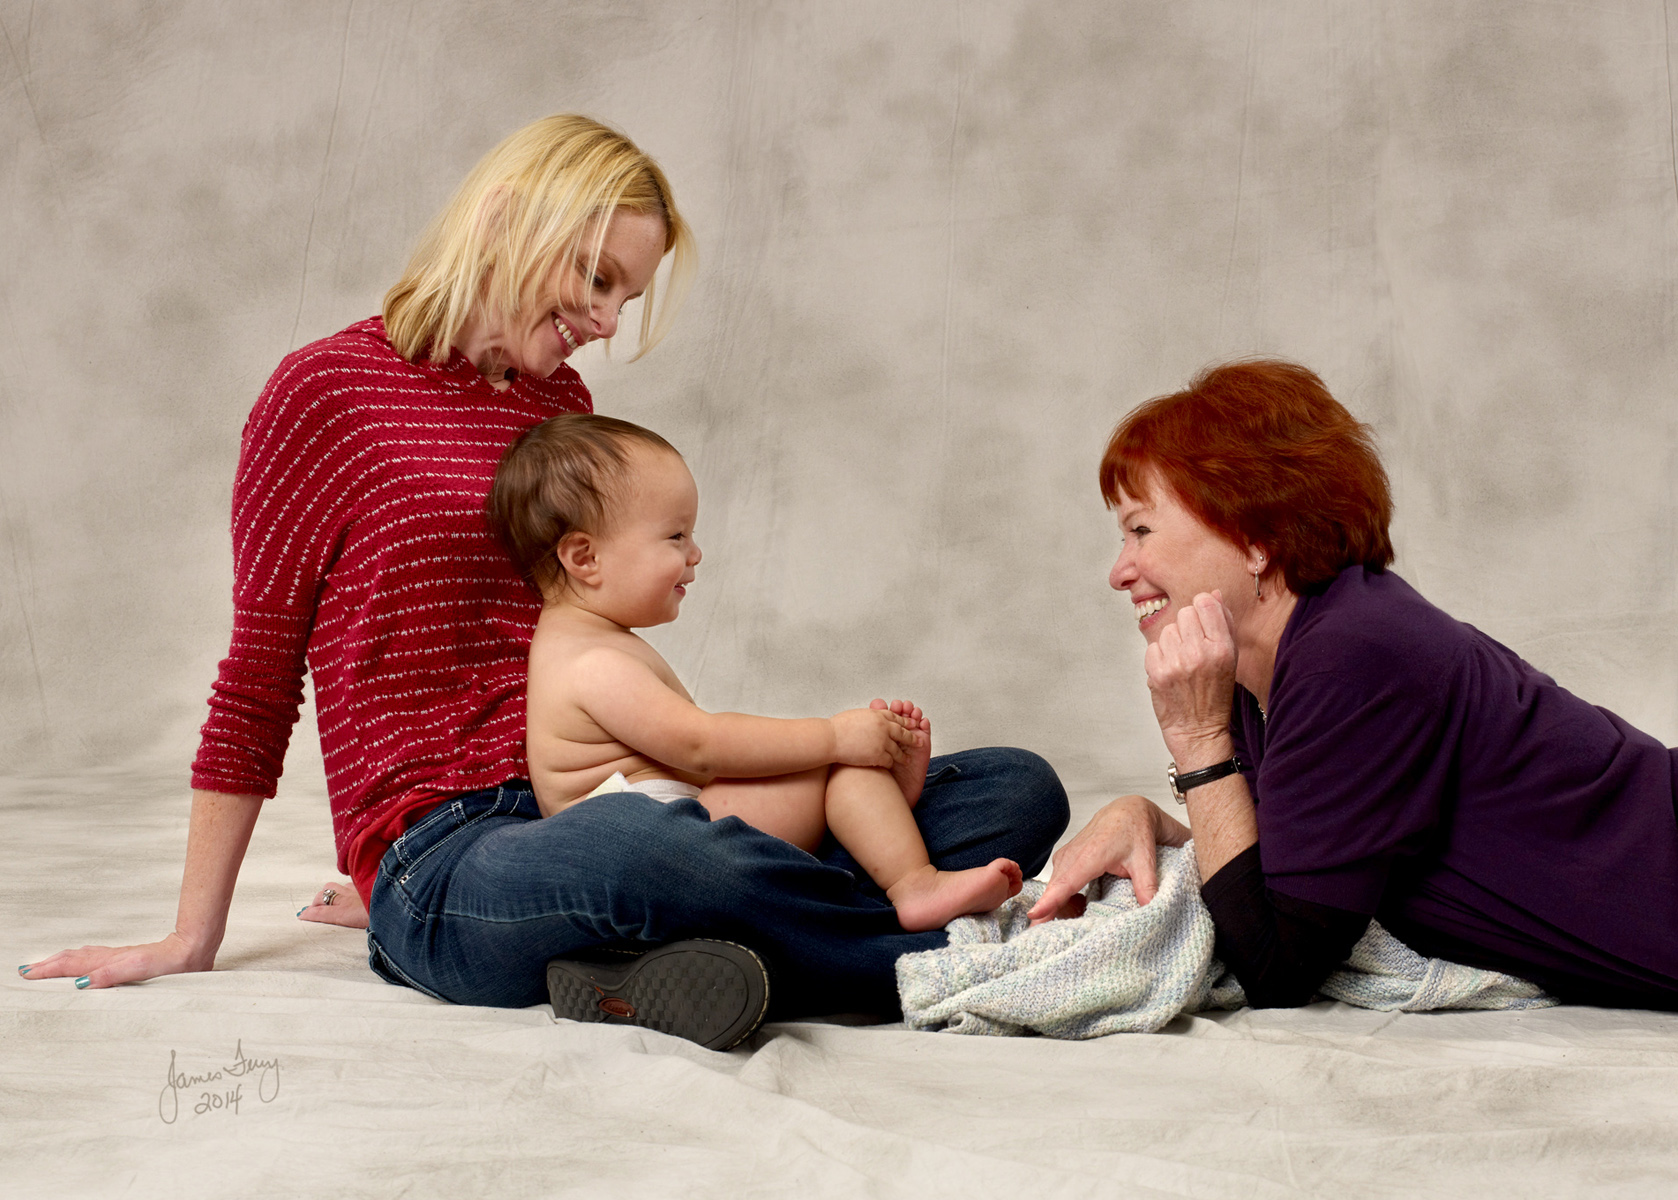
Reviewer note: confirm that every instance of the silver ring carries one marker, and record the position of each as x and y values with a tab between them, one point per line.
329	895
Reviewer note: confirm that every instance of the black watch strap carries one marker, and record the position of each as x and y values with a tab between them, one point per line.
1183	784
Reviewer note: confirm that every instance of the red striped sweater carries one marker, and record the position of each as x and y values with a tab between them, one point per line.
360	551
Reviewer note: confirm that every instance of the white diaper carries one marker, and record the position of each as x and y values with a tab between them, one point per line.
662	790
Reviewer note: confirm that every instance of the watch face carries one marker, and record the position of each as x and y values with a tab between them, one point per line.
1171	778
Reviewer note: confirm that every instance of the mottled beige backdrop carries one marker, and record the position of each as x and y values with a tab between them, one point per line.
944	246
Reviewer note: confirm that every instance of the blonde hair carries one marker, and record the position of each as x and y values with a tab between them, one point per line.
527	207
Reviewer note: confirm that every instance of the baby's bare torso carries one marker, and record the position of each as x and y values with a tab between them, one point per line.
570	754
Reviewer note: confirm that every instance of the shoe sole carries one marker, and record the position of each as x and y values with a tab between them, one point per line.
710	992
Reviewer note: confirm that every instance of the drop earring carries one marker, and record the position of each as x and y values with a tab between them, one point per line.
1257	594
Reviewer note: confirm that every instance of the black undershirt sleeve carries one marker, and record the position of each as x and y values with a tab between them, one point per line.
1279	947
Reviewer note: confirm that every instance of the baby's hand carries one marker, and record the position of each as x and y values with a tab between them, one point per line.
872	737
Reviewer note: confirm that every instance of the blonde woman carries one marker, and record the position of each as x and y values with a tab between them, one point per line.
361	554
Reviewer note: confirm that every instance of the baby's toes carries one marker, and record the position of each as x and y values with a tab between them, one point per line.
1011	870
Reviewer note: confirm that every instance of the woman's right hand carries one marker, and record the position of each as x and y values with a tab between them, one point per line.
872	737
1119	840
107	966
217	835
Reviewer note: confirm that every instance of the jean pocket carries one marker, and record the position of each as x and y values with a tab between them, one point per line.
429	832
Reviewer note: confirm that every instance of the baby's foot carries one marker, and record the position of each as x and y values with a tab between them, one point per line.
928	898
911	772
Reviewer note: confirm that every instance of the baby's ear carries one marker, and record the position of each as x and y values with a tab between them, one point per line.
576	554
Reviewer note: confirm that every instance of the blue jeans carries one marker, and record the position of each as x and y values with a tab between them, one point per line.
474	899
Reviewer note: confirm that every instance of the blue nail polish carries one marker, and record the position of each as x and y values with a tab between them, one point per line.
82	982
303	910
24	969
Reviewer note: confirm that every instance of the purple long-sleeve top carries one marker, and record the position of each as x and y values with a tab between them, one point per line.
1412	769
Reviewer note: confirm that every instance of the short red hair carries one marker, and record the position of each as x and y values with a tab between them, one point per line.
1261	453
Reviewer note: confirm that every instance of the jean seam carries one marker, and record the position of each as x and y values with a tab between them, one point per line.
394	883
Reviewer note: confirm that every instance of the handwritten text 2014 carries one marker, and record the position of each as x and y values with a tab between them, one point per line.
210	1091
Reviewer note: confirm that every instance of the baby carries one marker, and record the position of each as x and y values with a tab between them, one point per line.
599	515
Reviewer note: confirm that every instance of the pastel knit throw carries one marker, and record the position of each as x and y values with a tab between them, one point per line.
1129	968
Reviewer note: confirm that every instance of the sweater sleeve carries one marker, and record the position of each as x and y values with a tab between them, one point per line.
287	507
1281	948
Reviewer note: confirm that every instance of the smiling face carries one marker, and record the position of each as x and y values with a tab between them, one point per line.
1170	556
646	556
570	309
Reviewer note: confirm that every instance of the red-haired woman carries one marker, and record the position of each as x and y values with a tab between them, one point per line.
1345	749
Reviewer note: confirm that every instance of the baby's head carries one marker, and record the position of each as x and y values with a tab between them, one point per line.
593	505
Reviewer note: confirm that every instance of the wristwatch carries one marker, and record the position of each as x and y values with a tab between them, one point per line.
1181	784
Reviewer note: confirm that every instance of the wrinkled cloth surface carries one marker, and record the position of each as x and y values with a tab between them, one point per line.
1125	967
344	1086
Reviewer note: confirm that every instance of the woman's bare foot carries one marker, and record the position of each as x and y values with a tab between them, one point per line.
911	772
928	898
336	904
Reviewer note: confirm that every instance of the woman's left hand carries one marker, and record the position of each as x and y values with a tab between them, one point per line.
1120	840
336	904
1191	679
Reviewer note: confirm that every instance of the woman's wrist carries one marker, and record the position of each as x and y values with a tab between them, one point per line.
199	952
1168	830
1194	753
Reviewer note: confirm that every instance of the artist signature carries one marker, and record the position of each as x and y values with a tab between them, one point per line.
263	1073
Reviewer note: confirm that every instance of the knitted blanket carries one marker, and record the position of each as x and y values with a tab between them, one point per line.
1129	968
